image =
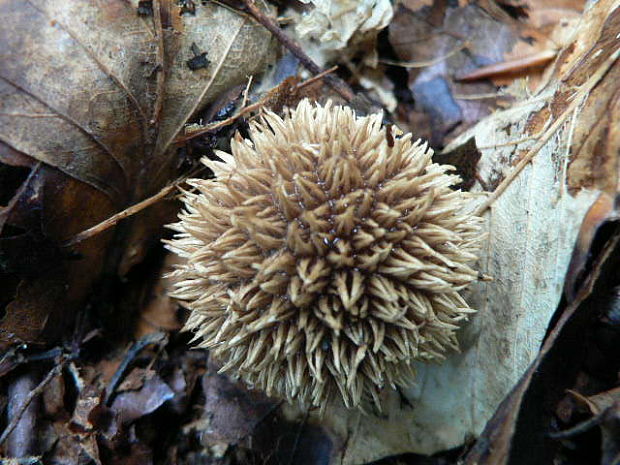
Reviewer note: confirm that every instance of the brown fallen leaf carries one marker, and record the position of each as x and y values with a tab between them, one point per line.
134	404
231	411
135	379
604	400
545	27
513	67
160	312
69	448
599	214
610	429
88	408
91	97
448	51
435	44
605	409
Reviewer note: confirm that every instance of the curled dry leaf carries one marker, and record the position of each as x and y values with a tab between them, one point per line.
231	411
91	97
335	27
133	404
441	45
533	226
605	408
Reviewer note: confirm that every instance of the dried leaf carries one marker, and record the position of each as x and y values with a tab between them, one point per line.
90	401
91	98
519	430
533	226
336	27
131	405
232	412
604	400
135	379
434	46
160	312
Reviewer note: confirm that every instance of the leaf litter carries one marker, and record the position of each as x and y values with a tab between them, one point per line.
108	130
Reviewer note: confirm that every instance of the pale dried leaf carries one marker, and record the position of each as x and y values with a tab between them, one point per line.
236	47
532	228
333	26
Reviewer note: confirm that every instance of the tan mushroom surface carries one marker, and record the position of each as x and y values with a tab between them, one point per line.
325	257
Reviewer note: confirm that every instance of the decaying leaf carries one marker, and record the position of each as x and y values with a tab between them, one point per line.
441	44
605	407
435	45
520	431
231	412
91	98
131	405
566	132
332	28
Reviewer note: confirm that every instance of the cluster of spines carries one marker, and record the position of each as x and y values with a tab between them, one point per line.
326	257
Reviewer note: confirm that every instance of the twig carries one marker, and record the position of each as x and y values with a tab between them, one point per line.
425	64
479	96
132	353
577	429
579	99
47	355
191	133
114	219
31	396
247	91
334	82
313	79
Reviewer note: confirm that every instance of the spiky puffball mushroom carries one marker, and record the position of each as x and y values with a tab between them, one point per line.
325	257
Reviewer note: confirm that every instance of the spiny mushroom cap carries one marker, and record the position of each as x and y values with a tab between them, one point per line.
325	257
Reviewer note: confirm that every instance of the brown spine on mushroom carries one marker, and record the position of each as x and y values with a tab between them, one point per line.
322	260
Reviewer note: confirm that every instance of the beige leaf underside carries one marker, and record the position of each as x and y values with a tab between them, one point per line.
528	255
532	231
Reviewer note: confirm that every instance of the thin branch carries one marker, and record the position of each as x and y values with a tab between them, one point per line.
114	219
247	91
425	64
580	97
191	133
479	96
341	87
315	78
132	353
31	396
580	428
